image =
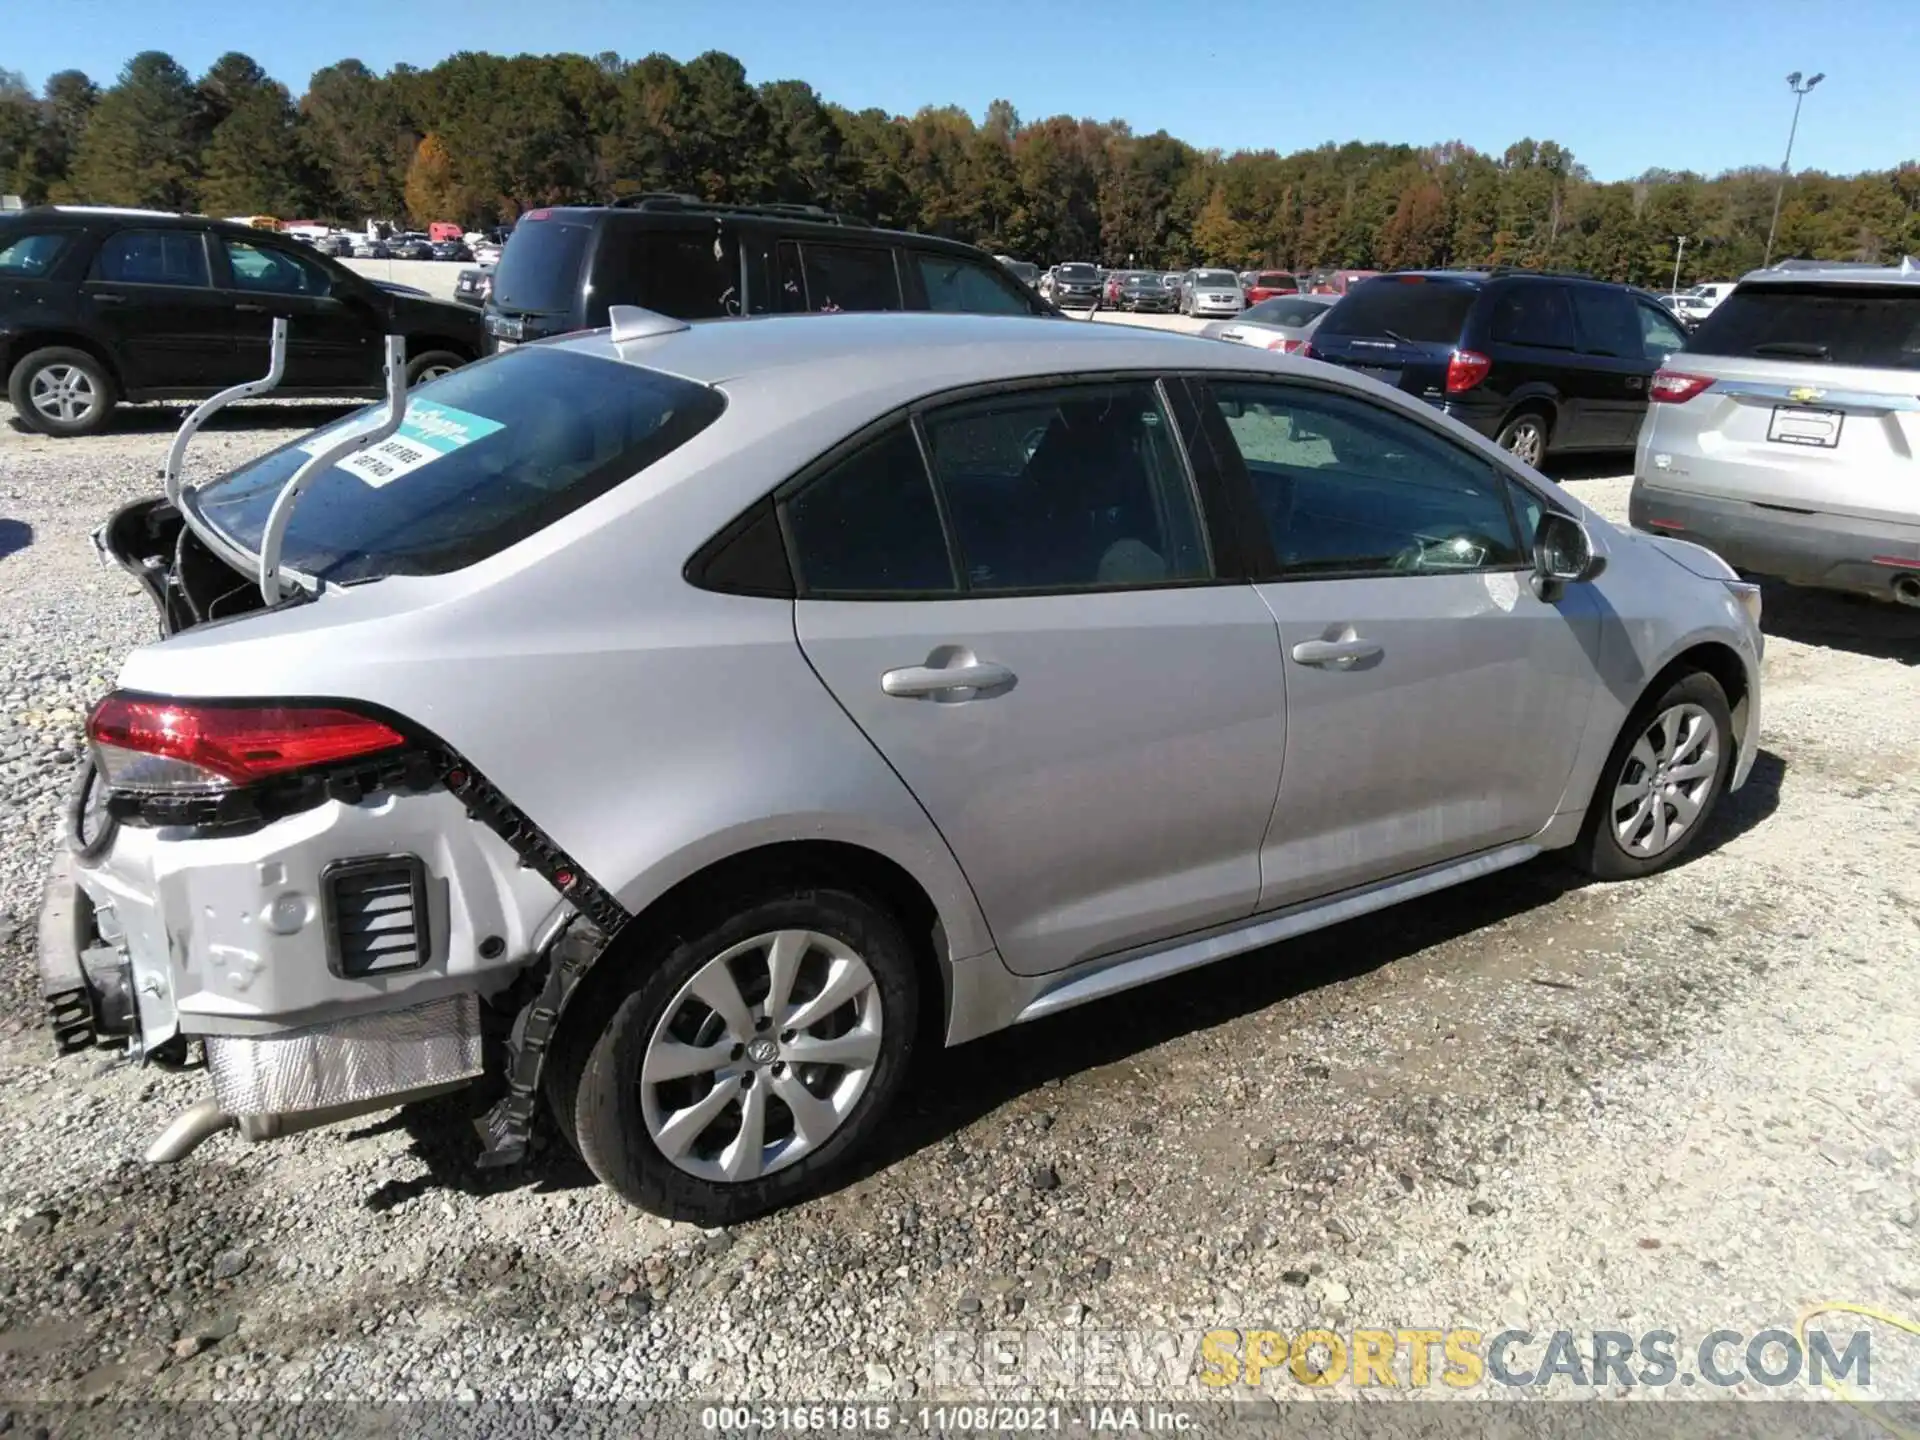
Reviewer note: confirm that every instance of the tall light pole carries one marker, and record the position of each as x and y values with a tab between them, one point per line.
1676	263
1800	88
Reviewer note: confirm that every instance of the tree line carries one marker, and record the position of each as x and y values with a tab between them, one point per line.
479	138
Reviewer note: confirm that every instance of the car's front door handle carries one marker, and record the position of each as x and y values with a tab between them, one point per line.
109	299
914	682
1335	652
249	309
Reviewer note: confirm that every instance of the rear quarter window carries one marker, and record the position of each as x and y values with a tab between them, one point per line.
1874	326
490	454
1425	311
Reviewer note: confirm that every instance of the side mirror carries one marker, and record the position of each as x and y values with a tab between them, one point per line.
1563	555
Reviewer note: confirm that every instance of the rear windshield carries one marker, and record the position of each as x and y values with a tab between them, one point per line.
1871	325
487	456
539	270
1274	280
1424	311
1287	310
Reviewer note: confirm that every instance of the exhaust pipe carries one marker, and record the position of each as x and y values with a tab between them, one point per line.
1907	590
189	1128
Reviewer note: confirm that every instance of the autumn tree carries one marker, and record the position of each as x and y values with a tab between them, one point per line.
432	191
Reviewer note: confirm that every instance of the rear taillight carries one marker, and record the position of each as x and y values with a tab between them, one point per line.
1676	387
182	747
1288	347
1466	369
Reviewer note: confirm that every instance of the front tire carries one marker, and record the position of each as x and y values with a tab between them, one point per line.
746	1066
1662	782
62	391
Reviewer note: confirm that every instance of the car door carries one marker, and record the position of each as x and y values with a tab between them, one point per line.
1614	359
1035	640
1434	704
149	293
1537	352
333	340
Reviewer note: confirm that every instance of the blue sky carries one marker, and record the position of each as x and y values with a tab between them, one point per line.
1625	84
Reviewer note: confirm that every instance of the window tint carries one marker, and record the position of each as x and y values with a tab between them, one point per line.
1429	312
1660	336
1275	280
1536	315
1347	487
688	274
1067	489
274	271
1287	310
28	257
1873	325
847	277
152	257
956	285
486	456
539	271
869	526
1609	322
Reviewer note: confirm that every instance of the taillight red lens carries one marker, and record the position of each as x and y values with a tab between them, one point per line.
1466	369
174	745
1305	352
1675	387
1287	347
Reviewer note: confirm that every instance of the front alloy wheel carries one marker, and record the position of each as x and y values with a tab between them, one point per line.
1669	776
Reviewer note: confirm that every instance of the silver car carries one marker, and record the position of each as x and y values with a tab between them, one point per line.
1211	292
1285	323
1784	434
706	714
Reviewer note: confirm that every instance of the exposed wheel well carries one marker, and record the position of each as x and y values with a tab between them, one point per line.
1723	664
24	345
826	863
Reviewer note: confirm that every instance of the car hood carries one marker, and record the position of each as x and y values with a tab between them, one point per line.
394	287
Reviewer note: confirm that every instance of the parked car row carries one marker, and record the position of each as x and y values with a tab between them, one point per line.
98	306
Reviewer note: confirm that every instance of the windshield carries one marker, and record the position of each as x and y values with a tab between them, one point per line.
1216	277
540	268
486	456
1420	310
1287	310
1877	326
1076	272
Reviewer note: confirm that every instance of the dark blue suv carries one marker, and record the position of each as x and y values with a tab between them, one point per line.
1537	360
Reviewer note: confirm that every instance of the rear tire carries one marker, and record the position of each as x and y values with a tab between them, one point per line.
664	1096
1661	783
1525	436
431	366
61	391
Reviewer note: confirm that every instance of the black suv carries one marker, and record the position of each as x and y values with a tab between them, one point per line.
695	260
1537	360
99	306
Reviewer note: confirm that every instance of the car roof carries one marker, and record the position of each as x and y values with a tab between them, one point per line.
82	217
686	217
1907	272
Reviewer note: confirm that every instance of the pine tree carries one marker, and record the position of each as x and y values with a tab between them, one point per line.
142	143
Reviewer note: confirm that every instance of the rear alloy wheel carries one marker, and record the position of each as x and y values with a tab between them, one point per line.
1525	438
753	1061
60	391
1661	783
431	366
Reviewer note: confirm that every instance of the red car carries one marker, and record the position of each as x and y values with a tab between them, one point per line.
1338	282
1265	284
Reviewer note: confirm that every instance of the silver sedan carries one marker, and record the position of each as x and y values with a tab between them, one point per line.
1283	323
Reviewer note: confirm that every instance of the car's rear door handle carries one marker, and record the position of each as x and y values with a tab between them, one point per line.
245	308
1335	652
914	682
109	299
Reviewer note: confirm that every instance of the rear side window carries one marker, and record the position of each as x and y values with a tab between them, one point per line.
1537	315
1609	323
28	257
956	286
1877	326
539	271
1428	312
488	455
688	274
837	277
152	257
869	526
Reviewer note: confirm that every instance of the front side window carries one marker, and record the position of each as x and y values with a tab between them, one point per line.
957	286
29	257
152	257
1072	489
1348	488
275	272
869	526
1537	315
1659	335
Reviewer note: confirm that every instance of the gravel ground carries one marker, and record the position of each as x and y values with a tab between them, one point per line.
1683	1104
